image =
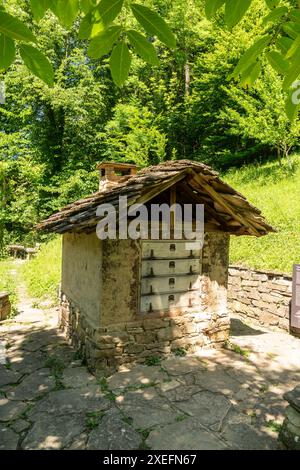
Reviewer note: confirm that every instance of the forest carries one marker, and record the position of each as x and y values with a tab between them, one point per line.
186	106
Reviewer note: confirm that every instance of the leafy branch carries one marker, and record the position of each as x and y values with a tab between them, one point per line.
96	25
280	44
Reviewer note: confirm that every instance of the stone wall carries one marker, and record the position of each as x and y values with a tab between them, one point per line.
111	346
5	307
260	295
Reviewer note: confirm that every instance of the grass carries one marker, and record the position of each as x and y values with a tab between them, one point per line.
180	352
274	426
8	282
153	360
93	419
275	190
237	349
42	274
56	367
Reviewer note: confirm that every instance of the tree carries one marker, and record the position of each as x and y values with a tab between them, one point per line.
131	136
258	115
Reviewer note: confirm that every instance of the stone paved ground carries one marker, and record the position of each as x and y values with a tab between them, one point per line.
218	399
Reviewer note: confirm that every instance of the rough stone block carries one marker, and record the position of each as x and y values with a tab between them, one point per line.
171	332
151	324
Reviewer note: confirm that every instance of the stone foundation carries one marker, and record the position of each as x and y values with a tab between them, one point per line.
260	295
114	345
289	435
5	306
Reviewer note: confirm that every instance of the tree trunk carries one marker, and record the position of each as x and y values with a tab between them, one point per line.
187	79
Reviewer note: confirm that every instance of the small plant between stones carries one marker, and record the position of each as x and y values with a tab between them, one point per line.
56	367
180	352
93	419
106	390
237	349
144	433
274	426
153	361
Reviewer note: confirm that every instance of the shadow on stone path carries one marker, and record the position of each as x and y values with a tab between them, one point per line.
220	399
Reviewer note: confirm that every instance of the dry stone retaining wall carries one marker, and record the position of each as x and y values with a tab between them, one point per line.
261	295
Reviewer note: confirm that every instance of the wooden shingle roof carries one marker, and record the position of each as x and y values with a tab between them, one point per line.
228	209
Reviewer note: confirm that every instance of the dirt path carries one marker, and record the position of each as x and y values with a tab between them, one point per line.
218	399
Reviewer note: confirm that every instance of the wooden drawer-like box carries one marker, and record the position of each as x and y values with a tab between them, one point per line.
170	276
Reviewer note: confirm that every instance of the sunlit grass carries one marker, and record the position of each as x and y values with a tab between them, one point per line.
275	189
8	281
42	274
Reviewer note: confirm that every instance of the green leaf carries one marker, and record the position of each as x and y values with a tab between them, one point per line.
66	11
272	3
154	24
37	63
86	26
295	15
293	71
278	63
212	6
292	29
102	44
250	75
109	10
14	28
39	8
251	55
284	43
142	47
275	15
235	10
120	62
292	104
87	5
294	47
7	52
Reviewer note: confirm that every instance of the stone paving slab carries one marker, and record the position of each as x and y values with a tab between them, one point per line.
10	410
33	386
73	401
113	424
146	408
8	439
217	399
8	377
185	435
77	377
137	376
53	432
208	407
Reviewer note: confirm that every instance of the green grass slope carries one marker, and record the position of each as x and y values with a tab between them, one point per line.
8	281
42	274
275	189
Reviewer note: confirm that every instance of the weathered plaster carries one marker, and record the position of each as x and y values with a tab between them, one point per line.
82	273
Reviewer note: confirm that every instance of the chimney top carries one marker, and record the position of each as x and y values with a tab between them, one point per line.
112	173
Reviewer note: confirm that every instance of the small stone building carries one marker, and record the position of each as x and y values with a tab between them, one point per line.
124	300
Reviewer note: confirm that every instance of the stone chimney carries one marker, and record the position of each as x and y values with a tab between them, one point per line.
112	174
